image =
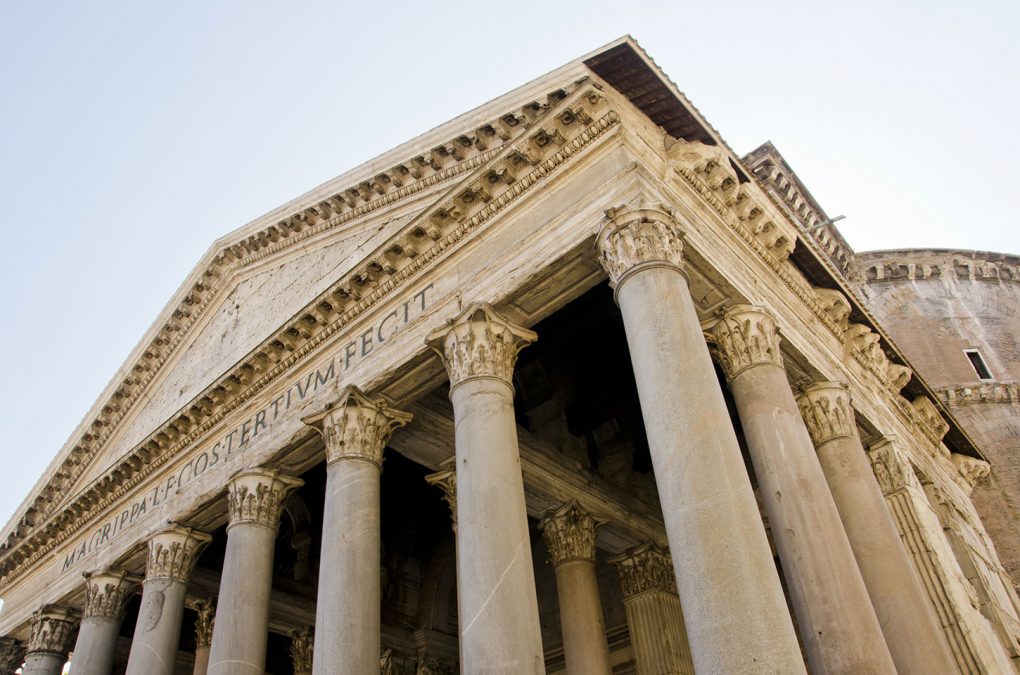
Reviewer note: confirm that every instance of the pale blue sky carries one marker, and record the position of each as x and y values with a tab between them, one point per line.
133	134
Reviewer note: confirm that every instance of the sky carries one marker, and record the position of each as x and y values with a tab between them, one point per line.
134	134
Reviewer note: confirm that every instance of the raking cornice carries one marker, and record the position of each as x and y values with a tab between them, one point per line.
572	118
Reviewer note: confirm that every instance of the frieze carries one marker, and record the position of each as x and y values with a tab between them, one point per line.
356	427
570	533
825	407
53	631
579	120
645	568
745	336
107	593
480	343
230	444
256	496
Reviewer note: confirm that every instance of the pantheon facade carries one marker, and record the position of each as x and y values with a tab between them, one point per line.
563	385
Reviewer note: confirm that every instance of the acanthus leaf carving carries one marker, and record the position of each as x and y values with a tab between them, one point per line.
892	467
12	654
446	480
827	413
570	533
205	621
744	337
969	470
631	239
107	593
647	567
256	496
173	553
356	427
480	343
302	646
53	630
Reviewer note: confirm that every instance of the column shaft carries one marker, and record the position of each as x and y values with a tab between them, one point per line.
570	535
255	499
172	557
348	610
723	564
204	623
908	620
498	606
838	625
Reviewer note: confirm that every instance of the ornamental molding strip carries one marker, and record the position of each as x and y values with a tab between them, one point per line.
479	343
356	427
745	336
632	239
827	412
172	553
256	497
570	533
576	121
53	631
107	593
302	647
648	567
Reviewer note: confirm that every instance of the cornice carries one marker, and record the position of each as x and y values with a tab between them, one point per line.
572	118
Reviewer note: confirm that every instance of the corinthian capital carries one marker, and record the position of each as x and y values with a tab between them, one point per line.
632	239
825	407
174	552
106	594
745	336
256	496
53	630
12	654
569	533
446	480
891	466
204	622
302	644
645	568
355	427
480	343
970	470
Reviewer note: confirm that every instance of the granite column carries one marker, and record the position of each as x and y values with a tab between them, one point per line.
348	609
723	564
204	623
838	624
498	606
52	637
570	535
255	499
171	559
908	621
106	594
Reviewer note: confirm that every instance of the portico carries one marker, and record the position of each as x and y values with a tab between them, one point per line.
505	405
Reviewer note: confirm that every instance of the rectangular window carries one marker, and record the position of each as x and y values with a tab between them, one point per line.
979	364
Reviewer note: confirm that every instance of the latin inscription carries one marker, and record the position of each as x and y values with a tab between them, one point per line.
361	346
